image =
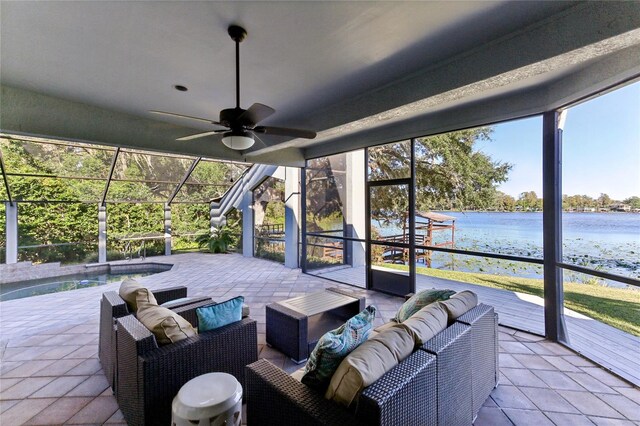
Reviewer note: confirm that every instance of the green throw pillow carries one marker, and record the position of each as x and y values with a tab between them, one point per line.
334	346
419	301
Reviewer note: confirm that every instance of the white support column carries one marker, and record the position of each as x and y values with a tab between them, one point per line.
246	206
167	229
102	234
355	207
11	215
292	217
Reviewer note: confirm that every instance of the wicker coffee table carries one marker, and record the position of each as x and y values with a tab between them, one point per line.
295	325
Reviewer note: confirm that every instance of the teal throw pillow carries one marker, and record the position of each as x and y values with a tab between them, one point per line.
334	346
220	314
420	300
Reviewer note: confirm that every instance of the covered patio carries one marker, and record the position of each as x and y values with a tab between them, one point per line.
50	373
119	135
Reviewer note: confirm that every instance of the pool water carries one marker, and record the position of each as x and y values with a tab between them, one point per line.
19	290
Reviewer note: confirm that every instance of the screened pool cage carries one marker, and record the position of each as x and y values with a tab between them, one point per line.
60	200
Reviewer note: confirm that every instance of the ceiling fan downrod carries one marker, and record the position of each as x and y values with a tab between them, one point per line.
240	125
237	34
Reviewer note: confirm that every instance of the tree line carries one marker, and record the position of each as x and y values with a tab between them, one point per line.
58	188
529	201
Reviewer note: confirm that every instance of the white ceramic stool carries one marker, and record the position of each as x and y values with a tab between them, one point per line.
211	399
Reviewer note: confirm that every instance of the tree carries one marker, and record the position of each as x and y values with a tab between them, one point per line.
450	173
634	202
529	201
504	202
325	185
604	200
574	202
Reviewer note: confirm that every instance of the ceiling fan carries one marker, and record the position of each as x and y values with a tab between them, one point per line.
240	124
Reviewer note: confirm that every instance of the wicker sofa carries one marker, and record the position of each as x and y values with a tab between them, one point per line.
112	307
444	382
149	376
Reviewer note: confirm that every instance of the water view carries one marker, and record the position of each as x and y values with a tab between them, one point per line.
603	241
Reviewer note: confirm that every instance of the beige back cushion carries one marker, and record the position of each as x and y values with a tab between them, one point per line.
131	290
427	322
166	325
368	362
460	303
384	326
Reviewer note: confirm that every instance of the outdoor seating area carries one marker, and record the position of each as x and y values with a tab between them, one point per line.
145	375
295	325
445	381
112	307
320	212
51	371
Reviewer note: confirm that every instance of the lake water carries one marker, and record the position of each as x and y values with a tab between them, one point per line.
604	241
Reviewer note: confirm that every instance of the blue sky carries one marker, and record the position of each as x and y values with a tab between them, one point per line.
601	148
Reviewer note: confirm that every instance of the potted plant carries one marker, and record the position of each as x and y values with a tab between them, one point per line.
218	241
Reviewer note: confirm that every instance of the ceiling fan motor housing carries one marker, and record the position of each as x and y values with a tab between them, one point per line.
242	133
229	116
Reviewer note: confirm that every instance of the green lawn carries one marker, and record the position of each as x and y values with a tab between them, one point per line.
617	307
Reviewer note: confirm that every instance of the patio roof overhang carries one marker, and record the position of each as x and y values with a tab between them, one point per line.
359	73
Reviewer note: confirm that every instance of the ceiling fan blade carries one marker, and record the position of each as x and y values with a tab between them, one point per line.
260	140
284	131
173	114
200	135
255	114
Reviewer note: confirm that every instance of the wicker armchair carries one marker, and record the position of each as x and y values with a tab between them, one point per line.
150	376
113	307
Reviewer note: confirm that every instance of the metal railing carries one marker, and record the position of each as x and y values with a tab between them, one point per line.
129	248
69	252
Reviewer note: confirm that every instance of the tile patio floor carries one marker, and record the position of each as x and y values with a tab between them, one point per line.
50	374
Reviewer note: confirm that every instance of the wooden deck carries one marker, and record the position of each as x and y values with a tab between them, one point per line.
614	349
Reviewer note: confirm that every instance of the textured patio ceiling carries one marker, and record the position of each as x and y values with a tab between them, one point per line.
358	72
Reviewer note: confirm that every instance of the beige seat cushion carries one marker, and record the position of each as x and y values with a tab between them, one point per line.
131	290
298	374
166	325
427	322
459	304
368	362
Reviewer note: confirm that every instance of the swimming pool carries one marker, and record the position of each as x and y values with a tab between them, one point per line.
19	290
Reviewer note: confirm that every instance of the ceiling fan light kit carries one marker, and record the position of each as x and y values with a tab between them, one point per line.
238	140
240	123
